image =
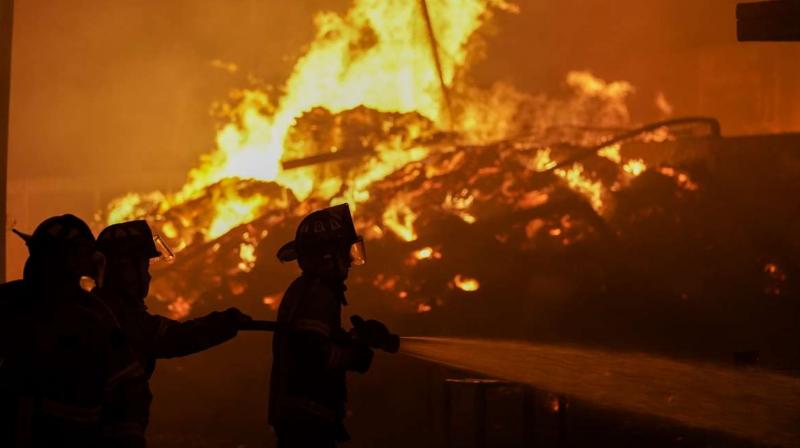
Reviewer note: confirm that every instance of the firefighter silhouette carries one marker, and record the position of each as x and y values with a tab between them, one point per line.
129	249
311	350
62	355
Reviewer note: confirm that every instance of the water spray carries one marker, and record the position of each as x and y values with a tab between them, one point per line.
751	404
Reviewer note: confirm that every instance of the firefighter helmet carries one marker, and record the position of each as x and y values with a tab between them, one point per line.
58	235
132	239
324	231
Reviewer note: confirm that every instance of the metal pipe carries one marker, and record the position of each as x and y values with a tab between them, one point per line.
6	22
436	60
259	325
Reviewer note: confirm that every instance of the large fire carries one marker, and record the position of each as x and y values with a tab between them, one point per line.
368	100
376	55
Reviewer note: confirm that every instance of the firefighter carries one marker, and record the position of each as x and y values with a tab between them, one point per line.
129	248
61	351
311	350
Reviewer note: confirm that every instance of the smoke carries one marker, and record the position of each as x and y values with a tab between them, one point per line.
751	404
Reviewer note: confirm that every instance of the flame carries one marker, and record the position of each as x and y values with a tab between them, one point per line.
373	65
458	204
169	230
611	153
592	190
399	218
465	283
377	55
542	160
233	211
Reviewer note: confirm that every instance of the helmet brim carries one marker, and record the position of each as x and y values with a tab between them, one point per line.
25	236
288	252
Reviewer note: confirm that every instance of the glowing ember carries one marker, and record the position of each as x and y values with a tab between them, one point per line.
542	161
555	404
272	301
424	308
776	277
682	179
247	252
635	167
533	199
465	283
427	253
87	283
424	253
385	282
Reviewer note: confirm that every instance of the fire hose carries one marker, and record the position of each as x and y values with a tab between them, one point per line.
371	332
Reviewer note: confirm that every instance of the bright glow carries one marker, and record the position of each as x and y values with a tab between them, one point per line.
399	218
635	167
577	181
465	283
376	54
247	253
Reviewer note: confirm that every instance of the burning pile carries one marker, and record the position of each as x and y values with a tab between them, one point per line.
485	195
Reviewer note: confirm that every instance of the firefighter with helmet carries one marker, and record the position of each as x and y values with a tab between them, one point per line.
129	249
61	352
311	350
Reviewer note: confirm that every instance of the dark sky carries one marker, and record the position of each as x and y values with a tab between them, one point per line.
109	97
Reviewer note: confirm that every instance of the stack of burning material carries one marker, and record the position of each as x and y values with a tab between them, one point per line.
474	236
488	232
492	218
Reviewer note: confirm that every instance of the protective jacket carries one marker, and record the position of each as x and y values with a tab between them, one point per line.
64	356
311	353
155	337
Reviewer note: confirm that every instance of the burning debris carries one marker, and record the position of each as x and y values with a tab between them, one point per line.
493	205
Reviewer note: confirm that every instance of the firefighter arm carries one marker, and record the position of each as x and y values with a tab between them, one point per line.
174	339
316	349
